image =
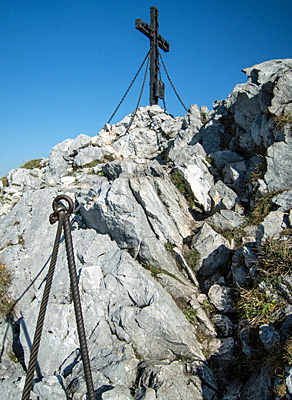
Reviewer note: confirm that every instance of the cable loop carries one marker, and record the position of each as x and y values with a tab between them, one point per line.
58	206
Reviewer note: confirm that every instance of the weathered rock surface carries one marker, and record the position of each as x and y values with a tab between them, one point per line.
159	281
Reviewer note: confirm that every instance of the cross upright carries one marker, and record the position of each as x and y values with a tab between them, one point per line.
151	31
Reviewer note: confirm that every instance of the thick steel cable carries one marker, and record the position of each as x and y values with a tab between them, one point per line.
167	74
63	219
141	66
135	112
77	307
41	317
164	104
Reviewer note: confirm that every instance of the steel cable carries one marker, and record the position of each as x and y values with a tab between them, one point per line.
170	81
63	218
141	66
77	307
42	312
135	112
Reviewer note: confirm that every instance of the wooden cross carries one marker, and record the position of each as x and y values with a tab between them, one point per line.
151	31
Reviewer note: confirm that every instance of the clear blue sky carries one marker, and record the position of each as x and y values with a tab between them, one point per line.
65	64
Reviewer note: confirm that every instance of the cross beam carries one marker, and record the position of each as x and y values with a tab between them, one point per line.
151	31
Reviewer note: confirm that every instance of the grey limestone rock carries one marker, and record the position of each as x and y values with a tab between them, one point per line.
193	118
220	297
272	226
119	169
222	350
284	200
258	387
223	157
184	385
141	214
214	250
87	155
279	174
226	220
222	197
224	326
269	337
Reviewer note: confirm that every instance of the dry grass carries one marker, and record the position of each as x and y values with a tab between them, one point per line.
276	257
32	164
6	303
262	207
258	308
282	120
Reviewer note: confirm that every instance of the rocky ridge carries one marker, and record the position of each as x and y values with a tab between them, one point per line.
173	221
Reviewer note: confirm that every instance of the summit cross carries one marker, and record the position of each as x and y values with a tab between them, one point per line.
151	31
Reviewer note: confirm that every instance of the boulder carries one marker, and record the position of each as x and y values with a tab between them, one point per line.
279	174
223	325
87	155
220	297
226	220
213	248
222	197
258	387
284	201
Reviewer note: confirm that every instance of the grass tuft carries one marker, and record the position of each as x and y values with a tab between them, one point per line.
32	164
262	207
282	120
6	303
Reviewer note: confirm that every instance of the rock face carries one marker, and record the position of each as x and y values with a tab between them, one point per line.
164	247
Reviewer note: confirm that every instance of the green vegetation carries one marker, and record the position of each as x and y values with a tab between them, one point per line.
4	181
208	308
263	302
108	158
258	308
137	355
178	180
259	171
236	234
282	120
192	257
156	271
32	164
6	303
190	314
204	118
274	261
262	207
169	247
92	164
180	183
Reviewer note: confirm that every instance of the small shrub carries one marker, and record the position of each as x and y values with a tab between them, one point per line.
6	303
208	308
262	207
190	314
4	181
108	158
275	258
137	355
32	164
179	182
192	257
169	247
282	120
236	234
258	172
258	308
